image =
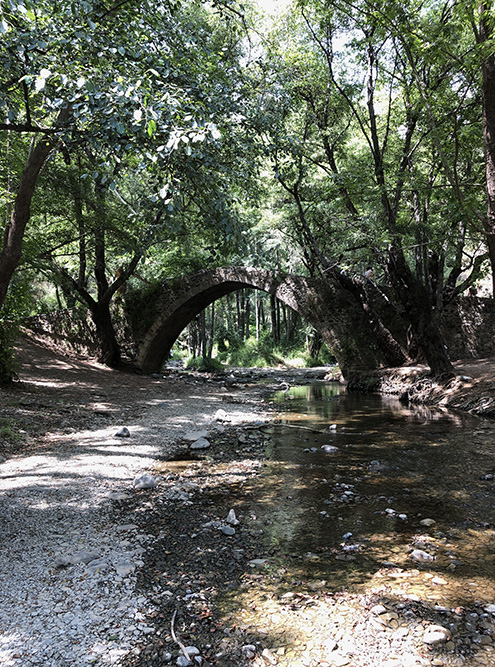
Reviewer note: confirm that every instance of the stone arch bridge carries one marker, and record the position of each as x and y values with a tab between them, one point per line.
158	320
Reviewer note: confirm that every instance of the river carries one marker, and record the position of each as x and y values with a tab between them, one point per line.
362	499
401	487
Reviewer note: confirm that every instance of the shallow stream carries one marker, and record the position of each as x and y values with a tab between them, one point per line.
407	498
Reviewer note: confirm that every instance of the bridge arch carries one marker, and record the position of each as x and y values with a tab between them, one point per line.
326	305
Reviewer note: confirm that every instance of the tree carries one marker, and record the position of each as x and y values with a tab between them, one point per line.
372	180
131	76
485	38
146	98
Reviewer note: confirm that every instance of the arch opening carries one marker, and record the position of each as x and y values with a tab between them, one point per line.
167	331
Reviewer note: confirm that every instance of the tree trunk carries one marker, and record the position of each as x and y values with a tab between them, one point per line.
274	319
240	314
211	337
21	211
418	313
292	322
488	101
392	350
203	337
108	347
247	313
257	313
314	345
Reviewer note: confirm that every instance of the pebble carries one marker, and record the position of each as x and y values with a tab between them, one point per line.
221	416
200	443
195	435
232	519
329	449
249	650
145	482
123	432
378	609
436	634
420	555
268	657
124	568
377	466
427	522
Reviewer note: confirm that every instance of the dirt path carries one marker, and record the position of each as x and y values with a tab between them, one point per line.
70	552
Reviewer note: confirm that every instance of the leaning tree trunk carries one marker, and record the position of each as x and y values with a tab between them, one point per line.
419	313
21	211
488	101
391	349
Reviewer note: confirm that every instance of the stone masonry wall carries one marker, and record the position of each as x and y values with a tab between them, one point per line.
70	330
468	328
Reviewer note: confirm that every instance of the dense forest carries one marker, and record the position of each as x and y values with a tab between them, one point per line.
147	140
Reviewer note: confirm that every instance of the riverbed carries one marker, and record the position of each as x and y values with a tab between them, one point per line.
365	537
365	480
378	553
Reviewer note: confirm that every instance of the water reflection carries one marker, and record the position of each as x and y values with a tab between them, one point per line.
345	515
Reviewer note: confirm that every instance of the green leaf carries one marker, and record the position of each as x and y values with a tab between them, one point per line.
151	127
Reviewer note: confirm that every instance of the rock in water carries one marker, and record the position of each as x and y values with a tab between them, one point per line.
329	449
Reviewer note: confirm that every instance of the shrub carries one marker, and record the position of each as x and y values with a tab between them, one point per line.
9	331
206	365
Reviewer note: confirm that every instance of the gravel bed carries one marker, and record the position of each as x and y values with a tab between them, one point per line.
69	564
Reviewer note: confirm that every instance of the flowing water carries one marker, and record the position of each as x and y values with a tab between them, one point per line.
357	502
407	496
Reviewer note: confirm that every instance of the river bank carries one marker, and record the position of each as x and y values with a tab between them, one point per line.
471	390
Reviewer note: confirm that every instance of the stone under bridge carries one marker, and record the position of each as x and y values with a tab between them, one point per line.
325	304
